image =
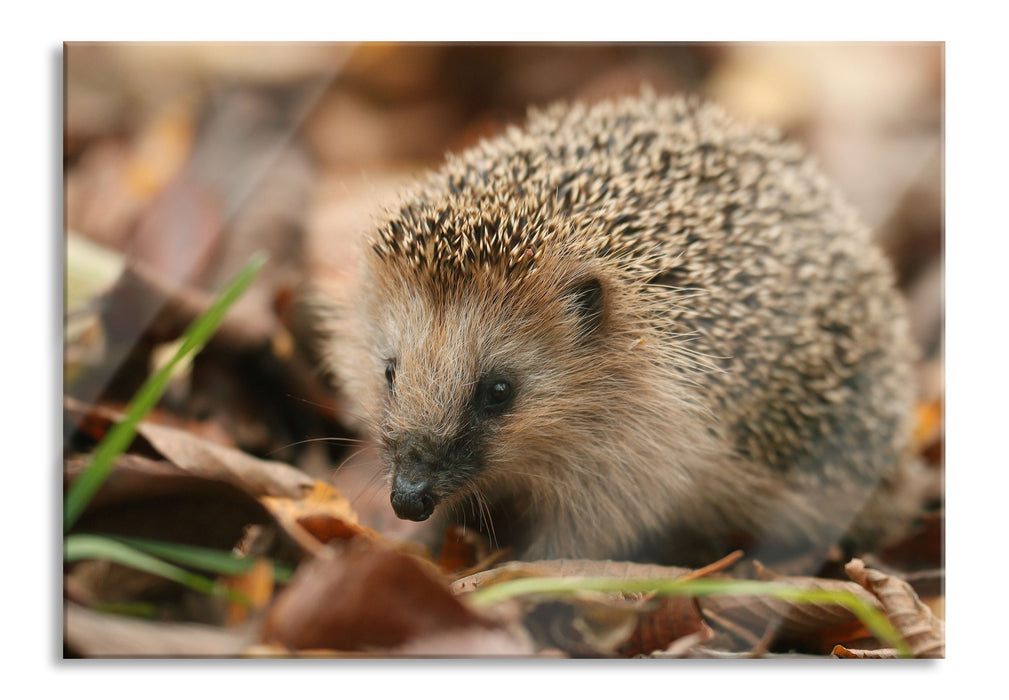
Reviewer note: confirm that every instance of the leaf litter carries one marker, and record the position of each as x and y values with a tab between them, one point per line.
227	474
354	593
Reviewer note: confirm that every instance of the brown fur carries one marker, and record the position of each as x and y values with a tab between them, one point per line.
748	381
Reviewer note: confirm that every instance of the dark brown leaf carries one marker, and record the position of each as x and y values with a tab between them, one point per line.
663	623
365	598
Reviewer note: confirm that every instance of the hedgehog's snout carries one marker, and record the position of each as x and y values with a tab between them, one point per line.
412	498
417	461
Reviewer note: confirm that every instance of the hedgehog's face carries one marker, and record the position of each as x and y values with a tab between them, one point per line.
480	384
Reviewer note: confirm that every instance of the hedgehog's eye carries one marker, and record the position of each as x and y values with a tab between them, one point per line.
390	373
500	392
497	394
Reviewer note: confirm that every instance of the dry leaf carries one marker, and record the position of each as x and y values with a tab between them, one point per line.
198	457
819	626
317	505
156	499
461	549
92	634
566	567
593	624
584	625
366	598
843	653
204	494
663	623
320	516
256	585
924	632
97	582
209	460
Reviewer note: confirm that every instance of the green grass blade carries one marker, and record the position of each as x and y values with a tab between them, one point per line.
120	435
77	547
213	560
873	619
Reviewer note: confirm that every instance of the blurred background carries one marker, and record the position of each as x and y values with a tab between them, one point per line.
181	159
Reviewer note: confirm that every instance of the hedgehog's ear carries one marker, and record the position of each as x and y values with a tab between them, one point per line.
586	301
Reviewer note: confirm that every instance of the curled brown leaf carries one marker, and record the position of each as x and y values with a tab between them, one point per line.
924	632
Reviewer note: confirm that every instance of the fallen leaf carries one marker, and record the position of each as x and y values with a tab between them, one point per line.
843	653
367	597
93	634
583	625
566	568
461	549
817	626
924	632
177	487
499	574
156	499
198	457
594	624
662	624
257	585
322	512
209	460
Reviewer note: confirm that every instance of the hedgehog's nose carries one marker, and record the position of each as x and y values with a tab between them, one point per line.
412	500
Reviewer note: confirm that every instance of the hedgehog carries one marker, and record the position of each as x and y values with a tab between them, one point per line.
637	330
